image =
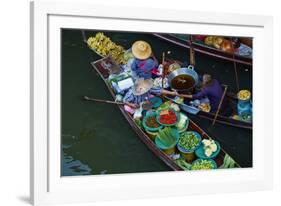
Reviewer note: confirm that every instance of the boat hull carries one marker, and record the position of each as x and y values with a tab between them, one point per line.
204	49
104	73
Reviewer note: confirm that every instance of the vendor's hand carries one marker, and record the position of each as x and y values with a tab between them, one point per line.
186	96
175	93
134	106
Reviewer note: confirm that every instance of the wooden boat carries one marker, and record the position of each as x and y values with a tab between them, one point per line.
205	115
204	49
232	101
104	74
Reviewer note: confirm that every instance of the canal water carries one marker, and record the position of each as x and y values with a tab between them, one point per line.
96	138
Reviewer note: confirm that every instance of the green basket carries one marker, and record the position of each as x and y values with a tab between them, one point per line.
158	117
160	145
183	129
147	128
156	102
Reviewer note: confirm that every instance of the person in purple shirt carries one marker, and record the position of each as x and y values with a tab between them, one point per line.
211	89
144	64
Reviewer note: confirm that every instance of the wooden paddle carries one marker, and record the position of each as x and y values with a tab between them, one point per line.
163	69
103	101
218	110
146	105
191	52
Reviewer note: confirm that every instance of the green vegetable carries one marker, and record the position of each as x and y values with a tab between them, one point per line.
165	105
168	136
189	141
228	162
202	165
183	164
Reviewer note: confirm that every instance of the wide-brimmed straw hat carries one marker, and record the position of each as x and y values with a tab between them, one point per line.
142	86
141	50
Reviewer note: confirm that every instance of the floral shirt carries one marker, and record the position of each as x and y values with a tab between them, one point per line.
130	97
144	68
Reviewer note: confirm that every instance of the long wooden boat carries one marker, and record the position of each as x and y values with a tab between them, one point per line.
204	49
104	74
232	101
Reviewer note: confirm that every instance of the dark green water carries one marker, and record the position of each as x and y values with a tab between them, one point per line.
96	138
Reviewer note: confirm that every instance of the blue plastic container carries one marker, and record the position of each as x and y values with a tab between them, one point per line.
147	128
200	152
155	101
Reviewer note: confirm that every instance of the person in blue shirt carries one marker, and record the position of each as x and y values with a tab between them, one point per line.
212	89
145	64
142	91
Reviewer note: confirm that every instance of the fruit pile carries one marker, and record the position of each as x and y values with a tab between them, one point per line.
219	43
205	107
244	95
104	46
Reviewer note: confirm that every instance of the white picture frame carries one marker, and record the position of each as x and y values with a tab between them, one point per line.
47	18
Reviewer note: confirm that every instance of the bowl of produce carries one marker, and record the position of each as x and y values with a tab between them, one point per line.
155	101
244	95
167	139
167	117
208	149
150	123
203	164
188	143
183	123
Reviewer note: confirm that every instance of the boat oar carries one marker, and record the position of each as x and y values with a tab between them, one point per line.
103	101
219	107
235	67
191	52
163	69
113	102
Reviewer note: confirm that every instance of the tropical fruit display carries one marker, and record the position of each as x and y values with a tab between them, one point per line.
244	95
103	45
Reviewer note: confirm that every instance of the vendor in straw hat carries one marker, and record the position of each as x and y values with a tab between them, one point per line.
144	64
142	91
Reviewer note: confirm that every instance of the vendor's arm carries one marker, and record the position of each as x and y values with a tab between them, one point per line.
173	93
133	105
199	95
129	99
159	91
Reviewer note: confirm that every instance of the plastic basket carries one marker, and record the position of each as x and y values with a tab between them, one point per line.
211	160
147	128
158	117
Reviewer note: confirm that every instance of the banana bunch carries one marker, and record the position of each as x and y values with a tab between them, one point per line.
104	46
228	162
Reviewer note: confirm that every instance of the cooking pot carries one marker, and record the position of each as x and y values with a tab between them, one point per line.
182	72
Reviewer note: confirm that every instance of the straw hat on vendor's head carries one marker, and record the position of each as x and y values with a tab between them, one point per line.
141	50
142	86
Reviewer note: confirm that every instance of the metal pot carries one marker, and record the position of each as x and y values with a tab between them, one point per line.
189	71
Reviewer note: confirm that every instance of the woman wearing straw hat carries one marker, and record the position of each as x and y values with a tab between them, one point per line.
141	92
144	64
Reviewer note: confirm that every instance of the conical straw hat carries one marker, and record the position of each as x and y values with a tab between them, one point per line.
141	50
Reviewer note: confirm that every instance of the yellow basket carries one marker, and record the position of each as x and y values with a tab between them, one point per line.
189	157
152	135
